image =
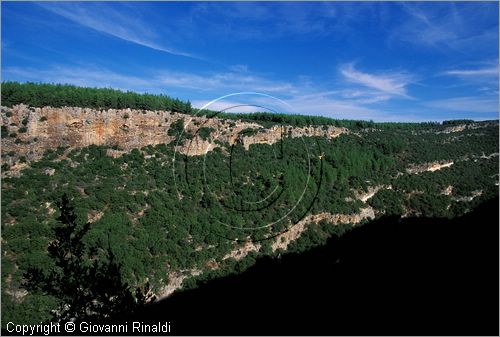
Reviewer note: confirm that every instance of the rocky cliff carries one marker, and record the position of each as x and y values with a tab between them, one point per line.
28	132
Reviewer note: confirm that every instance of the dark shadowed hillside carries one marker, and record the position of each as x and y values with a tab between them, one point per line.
417	276
159	202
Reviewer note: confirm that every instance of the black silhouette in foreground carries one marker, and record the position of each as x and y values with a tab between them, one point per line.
88	289
416	276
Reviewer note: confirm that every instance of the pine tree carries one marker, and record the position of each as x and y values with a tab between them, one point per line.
84	289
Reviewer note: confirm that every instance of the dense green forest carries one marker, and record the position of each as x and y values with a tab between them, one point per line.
151	219
59	95
130	222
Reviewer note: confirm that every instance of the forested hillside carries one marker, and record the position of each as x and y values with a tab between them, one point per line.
160	217
60	95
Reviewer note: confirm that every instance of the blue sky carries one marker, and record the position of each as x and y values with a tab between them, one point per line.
385	61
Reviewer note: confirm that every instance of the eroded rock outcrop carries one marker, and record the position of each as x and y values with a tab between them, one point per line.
50	128
175	280
32	131
240	252
428	167
370	193
282	241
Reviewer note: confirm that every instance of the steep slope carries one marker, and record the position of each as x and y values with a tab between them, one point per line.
188	197
31	131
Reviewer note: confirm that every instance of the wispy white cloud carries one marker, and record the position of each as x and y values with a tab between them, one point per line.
334	108
160	81
306	101
310	104
461	27
110	20
484	80
425	30
223	81
87	76
264	21
466	104
239	68
230	106
302	98
491	71
392	84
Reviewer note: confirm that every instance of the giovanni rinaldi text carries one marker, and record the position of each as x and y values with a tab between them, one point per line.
87	327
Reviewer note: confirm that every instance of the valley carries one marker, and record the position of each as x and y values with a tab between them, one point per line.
174	199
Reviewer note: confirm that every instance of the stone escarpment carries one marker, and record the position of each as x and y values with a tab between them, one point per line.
28	132
50	128
282	241
429	167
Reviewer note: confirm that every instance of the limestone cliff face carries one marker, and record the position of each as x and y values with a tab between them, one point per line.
49	128
274	134
73	127
429	167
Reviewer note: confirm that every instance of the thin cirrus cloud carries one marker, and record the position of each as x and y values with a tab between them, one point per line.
262	21
229	106
223	81
81	76
300	104
301	97
304	98
161	81
102	18
485	79
466	104
392	84
422	28
483	72
463	28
